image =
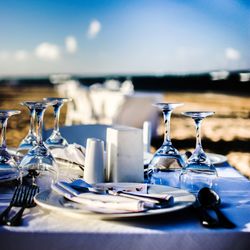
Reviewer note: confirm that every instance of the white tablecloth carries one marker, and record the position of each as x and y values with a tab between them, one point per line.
178	230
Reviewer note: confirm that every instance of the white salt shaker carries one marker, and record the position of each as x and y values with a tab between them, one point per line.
94	161
124	155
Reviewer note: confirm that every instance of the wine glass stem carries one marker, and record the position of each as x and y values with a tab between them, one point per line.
32	121
3	122
57	109
40	113
167	117
198	133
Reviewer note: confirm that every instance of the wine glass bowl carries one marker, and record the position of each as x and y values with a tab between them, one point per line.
167	162
39	162
56	140
8	165
198	172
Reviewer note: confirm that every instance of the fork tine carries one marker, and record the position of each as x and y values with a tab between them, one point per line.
15	201
30	196
27	201
34	191
16	195
21	195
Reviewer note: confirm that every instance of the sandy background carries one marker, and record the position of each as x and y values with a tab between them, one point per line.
227	132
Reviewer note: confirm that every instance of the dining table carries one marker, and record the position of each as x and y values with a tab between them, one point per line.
181	229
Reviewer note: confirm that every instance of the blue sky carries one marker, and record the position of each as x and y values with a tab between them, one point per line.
123	36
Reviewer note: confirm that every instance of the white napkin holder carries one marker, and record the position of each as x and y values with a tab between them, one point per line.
124	161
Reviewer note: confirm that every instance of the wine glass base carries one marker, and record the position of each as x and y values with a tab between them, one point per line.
162	162
31	162
201	168
27	143
7	165
195	177
165	169
7	162
167	178
56	141
41	167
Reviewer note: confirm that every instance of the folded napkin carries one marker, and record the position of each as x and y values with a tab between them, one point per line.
73	153
101	203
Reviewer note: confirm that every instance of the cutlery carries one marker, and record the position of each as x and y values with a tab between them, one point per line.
29	193
208	198
158	202
149	201
206	219
16	200
166	200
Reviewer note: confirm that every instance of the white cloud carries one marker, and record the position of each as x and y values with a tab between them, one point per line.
94	28
21	55
71	44
232	54
48	51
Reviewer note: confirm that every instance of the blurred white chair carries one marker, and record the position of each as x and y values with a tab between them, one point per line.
127	87
96	86
80	110
244	77
59	78
112	84
137	109
105	103
68	86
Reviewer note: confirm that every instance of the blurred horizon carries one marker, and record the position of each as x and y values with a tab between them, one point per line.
139	37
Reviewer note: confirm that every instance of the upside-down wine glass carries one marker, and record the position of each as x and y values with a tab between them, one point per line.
8	165
165	166
31	138
198	172
56	140
39	162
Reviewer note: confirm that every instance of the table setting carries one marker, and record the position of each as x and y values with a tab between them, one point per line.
53	190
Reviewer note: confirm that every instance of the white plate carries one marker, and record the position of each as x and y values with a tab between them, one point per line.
53	201
10	177
217	158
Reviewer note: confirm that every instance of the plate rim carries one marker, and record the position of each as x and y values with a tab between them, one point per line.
223	158
14	176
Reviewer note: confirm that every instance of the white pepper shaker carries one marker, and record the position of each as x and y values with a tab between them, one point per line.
94	161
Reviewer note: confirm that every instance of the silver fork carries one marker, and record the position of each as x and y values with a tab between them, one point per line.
27	202
16	201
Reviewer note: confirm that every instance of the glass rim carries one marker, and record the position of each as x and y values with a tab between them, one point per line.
25	103
9	112
58	99
198	114
168	105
